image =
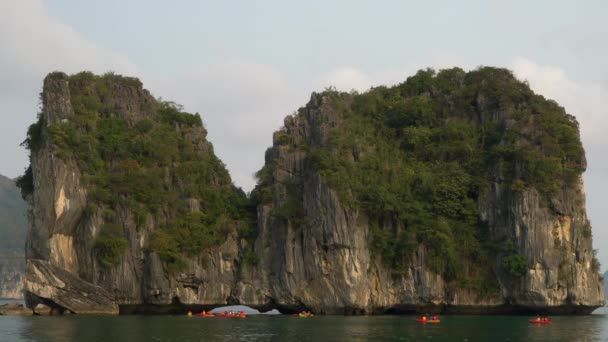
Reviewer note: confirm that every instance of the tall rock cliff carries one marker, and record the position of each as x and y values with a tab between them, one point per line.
13	228
455	191
452	191
128	203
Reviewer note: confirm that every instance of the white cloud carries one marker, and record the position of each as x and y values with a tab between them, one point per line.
241	103
32	44
346	78
587	101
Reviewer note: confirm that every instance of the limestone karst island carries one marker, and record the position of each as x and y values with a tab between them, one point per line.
455	191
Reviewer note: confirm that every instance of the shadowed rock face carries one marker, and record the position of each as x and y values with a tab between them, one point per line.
323	263
46	283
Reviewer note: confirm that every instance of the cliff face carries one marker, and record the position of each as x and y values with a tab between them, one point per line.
452	191
114	219
318	237
13	229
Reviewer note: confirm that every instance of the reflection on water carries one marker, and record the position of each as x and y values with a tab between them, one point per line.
289	328
601	311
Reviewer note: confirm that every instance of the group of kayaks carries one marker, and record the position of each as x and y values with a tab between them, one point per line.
233	314
435	319
304	314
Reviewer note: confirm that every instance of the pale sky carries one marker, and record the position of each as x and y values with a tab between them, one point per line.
244	65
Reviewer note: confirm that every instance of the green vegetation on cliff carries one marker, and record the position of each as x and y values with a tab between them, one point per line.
146	157
420	153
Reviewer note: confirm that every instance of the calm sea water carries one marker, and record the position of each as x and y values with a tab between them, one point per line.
288	328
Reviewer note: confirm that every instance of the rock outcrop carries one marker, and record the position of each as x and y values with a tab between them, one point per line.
50	289
315	246
88	252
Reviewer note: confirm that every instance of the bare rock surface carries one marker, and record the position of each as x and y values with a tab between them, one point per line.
59	290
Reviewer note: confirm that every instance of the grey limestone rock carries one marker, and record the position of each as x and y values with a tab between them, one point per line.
51	289
326	264
323	264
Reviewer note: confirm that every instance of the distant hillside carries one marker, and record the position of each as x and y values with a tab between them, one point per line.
13	223
605	276
13	228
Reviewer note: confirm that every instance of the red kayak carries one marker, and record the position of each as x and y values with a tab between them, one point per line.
428	320
533	321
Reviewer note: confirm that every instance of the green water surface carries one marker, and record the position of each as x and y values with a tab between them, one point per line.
289	328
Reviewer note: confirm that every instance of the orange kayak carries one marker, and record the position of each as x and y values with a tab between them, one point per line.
533	321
